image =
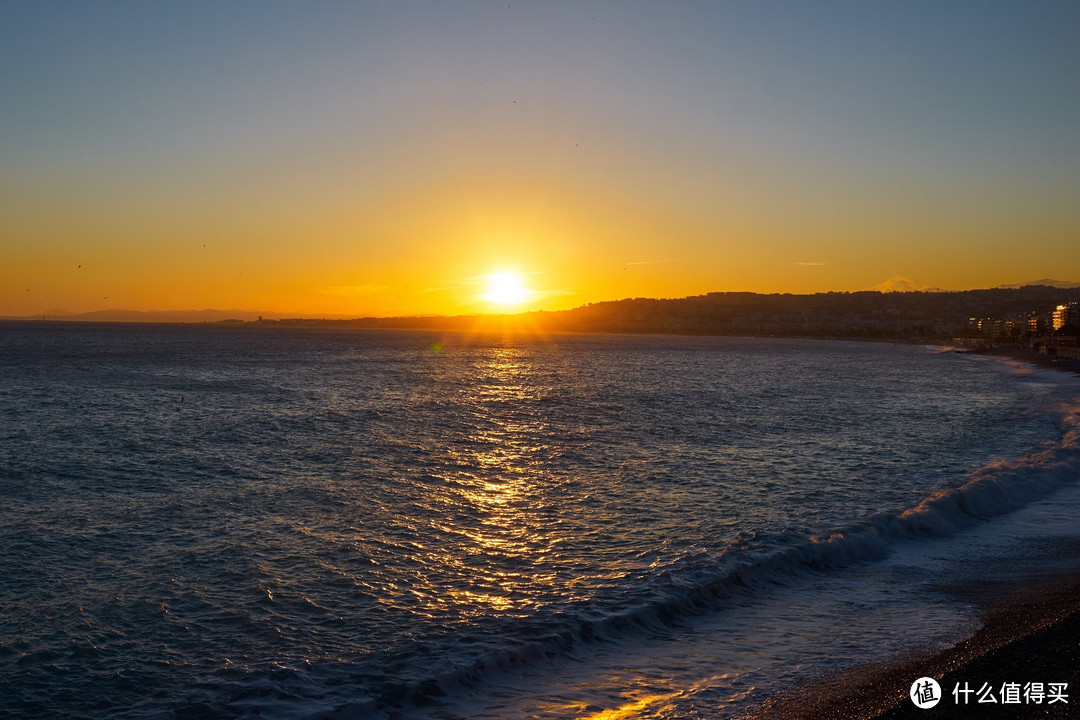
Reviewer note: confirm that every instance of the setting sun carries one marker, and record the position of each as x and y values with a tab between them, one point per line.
505	288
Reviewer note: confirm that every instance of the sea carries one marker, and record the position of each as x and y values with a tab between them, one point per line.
217	521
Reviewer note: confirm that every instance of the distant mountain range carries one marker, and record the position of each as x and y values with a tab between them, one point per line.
213	316
157	316
1044	281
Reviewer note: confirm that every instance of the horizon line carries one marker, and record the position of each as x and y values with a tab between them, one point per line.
59	314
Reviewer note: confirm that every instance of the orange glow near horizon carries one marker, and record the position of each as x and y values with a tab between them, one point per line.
399	263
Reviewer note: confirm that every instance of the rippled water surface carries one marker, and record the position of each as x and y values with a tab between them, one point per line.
208	521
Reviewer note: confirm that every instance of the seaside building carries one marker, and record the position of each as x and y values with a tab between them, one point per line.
1040	324
991	327
1067	315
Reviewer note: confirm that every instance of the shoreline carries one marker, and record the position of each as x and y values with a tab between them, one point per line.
1031	357
1030	634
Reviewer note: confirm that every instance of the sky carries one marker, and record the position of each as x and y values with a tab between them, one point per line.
391	158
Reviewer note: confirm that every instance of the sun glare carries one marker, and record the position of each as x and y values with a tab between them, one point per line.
505	288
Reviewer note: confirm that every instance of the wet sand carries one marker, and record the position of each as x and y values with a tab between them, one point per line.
1032	635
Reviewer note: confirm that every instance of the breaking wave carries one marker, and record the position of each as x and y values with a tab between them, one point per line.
995	489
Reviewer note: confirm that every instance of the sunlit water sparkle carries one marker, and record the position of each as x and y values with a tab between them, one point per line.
205	521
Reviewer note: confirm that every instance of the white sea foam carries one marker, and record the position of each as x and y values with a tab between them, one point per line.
817	606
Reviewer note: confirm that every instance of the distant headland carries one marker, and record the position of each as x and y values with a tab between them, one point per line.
1009	314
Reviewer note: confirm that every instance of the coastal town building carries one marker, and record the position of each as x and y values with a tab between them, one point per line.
1067	315
1040	323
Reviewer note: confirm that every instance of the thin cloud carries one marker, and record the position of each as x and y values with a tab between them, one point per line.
451	284
552	293
812	264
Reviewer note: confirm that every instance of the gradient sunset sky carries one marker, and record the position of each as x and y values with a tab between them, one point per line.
382	158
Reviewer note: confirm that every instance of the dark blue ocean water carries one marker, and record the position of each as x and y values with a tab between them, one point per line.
213	521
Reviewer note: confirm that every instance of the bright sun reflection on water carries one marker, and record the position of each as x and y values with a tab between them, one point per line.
497	483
